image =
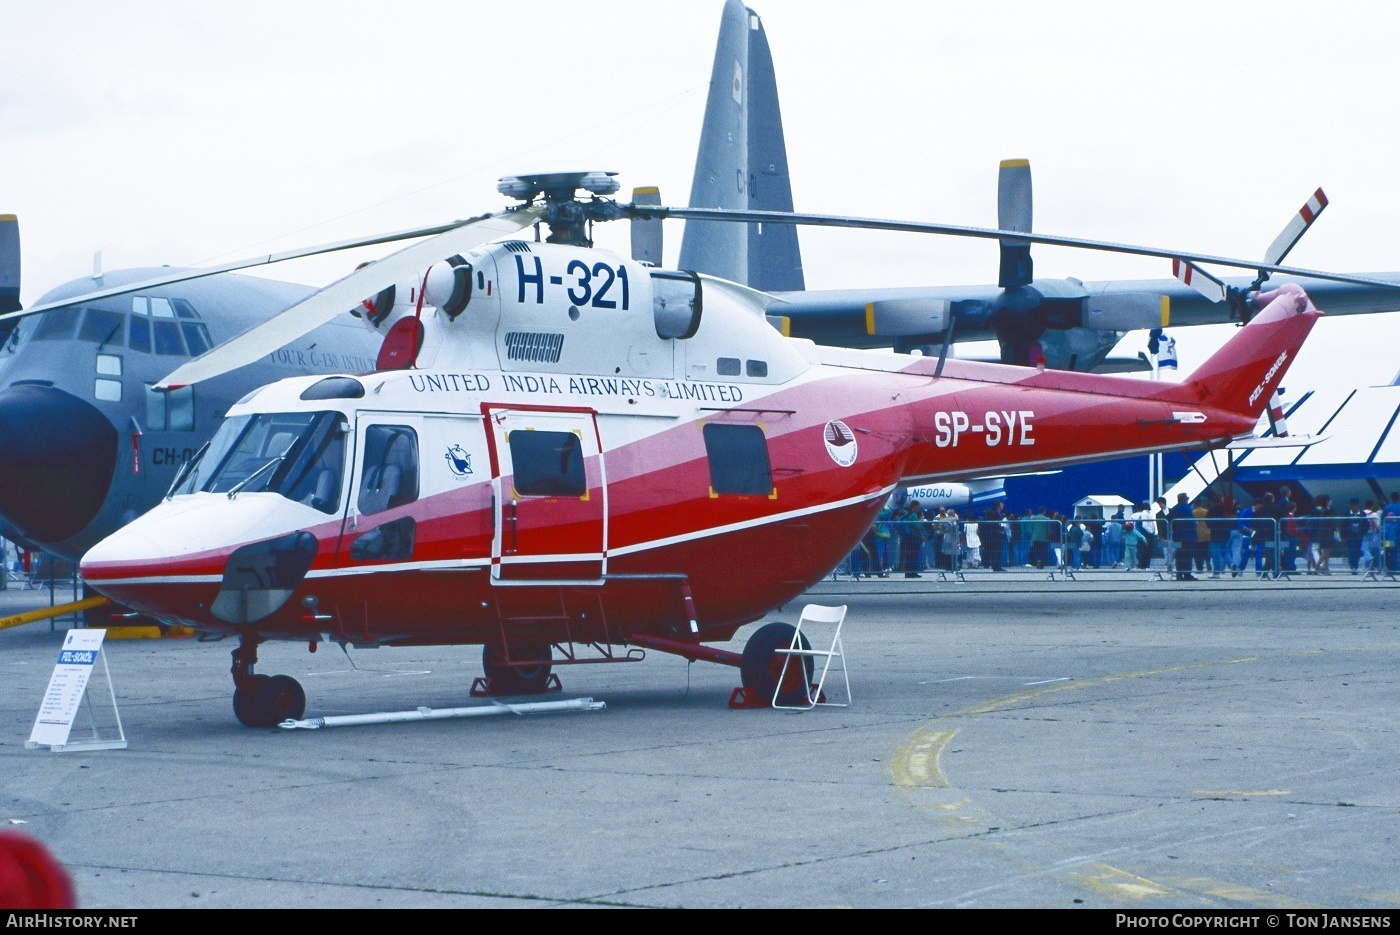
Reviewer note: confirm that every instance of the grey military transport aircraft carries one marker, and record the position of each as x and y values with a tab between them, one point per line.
1064	323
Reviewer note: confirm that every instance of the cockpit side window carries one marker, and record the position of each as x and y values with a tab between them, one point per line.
390	474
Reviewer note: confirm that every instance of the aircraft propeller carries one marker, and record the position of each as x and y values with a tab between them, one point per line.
9	272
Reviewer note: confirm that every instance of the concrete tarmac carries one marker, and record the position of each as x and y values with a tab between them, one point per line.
1115	743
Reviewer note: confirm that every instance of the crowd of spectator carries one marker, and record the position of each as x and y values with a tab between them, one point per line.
1272	535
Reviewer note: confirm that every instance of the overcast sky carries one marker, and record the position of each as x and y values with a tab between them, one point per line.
182	133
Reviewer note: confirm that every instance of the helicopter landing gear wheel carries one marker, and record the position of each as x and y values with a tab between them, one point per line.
505	679
244	700
268	700
263	700
762	665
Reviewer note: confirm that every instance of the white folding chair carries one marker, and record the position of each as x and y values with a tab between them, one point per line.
795	653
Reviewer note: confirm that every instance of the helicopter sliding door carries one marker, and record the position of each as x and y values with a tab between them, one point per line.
551	496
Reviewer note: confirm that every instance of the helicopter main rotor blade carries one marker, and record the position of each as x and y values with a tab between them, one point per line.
185	275
985	233
346	293
1297	226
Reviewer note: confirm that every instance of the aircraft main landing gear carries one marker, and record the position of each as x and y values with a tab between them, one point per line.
263	700
762	665
527	674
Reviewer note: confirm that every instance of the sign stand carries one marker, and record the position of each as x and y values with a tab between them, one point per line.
68	691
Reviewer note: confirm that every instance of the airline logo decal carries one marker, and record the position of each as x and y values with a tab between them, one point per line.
840	443
459	460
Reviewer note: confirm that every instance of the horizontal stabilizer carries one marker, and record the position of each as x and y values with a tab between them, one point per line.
1272	441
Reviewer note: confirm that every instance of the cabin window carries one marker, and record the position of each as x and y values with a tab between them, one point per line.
547	464
757	368
179	407
391	542
390	474
738	456
727	366
170	410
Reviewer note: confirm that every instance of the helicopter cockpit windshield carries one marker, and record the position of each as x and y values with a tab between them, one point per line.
300	455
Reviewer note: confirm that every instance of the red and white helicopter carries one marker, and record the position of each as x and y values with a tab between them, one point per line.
568	456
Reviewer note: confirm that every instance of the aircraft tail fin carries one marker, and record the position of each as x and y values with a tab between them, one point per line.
742	163
1245	373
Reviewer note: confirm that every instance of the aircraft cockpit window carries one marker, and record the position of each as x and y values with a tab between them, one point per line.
140	336
167	338
196	336
103	328
161	308
738	456
390	476
298	455
547	464
57	325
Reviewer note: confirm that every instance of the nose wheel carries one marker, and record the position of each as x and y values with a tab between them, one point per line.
263	700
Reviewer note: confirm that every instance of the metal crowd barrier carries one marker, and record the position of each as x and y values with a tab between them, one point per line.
1217	547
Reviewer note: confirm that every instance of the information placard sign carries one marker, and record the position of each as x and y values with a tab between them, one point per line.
66	687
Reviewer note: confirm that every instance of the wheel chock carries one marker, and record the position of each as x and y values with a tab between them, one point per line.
741	698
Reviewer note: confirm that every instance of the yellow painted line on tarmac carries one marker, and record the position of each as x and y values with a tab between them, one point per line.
1250	896
915	764
1011	701
916	773
44	613
1118	884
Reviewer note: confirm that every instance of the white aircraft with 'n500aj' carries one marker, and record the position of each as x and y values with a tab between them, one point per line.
580	453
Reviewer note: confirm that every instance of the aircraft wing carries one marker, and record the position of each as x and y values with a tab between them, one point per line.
920	315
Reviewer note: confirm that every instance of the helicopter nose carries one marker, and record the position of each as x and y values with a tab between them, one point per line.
57	458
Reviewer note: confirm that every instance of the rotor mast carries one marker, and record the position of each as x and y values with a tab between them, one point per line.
569	217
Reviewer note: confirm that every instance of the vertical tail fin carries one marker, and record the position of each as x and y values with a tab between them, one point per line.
742	163
1244	374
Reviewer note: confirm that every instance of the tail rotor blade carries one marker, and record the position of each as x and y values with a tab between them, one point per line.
1198	279
1296	228
347	292
1014	214
646	235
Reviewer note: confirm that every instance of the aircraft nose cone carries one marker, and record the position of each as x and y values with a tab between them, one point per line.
57	458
